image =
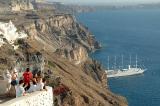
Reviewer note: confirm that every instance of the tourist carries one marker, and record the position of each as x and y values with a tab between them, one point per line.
34	79
35	76
20	89
7	77
33	86
48	74
40	74
14	83
44	82
27	76
60	91
40	84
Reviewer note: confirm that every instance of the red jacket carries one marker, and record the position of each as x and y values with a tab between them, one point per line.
27	77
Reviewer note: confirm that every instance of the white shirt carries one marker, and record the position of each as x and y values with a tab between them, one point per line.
19	91
40	86
32	88
7	77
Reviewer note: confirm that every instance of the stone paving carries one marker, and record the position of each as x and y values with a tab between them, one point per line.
4	98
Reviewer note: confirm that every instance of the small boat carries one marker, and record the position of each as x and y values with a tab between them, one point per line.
124	72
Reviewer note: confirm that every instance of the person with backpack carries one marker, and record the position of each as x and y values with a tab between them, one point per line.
27	76
14	82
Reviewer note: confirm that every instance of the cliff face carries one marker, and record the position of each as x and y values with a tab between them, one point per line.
4	5
63	44
15	5
18	5
63	35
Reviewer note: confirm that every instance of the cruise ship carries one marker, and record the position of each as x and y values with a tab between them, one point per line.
124	72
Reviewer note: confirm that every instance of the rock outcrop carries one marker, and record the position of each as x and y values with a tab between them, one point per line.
18	5
15	5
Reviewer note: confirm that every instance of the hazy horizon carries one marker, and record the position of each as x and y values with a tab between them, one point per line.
105	2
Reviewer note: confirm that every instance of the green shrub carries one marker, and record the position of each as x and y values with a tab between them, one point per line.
51	64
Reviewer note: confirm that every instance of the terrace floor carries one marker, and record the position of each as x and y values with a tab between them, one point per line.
4	98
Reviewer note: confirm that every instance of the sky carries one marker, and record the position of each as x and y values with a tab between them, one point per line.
107	1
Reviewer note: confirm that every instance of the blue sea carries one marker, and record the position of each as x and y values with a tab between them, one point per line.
129	32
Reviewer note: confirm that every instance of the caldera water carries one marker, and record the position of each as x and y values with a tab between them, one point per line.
129	32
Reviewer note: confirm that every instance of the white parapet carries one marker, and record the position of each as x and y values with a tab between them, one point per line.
38	98
3	86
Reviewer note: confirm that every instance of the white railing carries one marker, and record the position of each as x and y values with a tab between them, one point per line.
38	98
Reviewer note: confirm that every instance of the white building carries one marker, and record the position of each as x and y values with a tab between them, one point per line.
39	1
9	32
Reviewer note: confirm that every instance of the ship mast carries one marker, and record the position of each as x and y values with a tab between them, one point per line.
108	62
122	61
136	61
130	60
115	63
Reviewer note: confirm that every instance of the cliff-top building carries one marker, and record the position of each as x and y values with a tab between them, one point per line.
39	1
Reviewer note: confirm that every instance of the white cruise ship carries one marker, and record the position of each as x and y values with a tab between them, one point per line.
125	72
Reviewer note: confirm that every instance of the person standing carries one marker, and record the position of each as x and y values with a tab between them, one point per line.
27	76
14	83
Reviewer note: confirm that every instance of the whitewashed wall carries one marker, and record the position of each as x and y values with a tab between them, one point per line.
38	98
3	86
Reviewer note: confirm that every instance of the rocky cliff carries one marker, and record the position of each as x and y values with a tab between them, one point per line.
15	5
64	45
18	5
63	35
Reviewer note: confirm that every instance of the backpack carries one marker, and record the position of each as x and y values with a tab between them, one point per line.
14	82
